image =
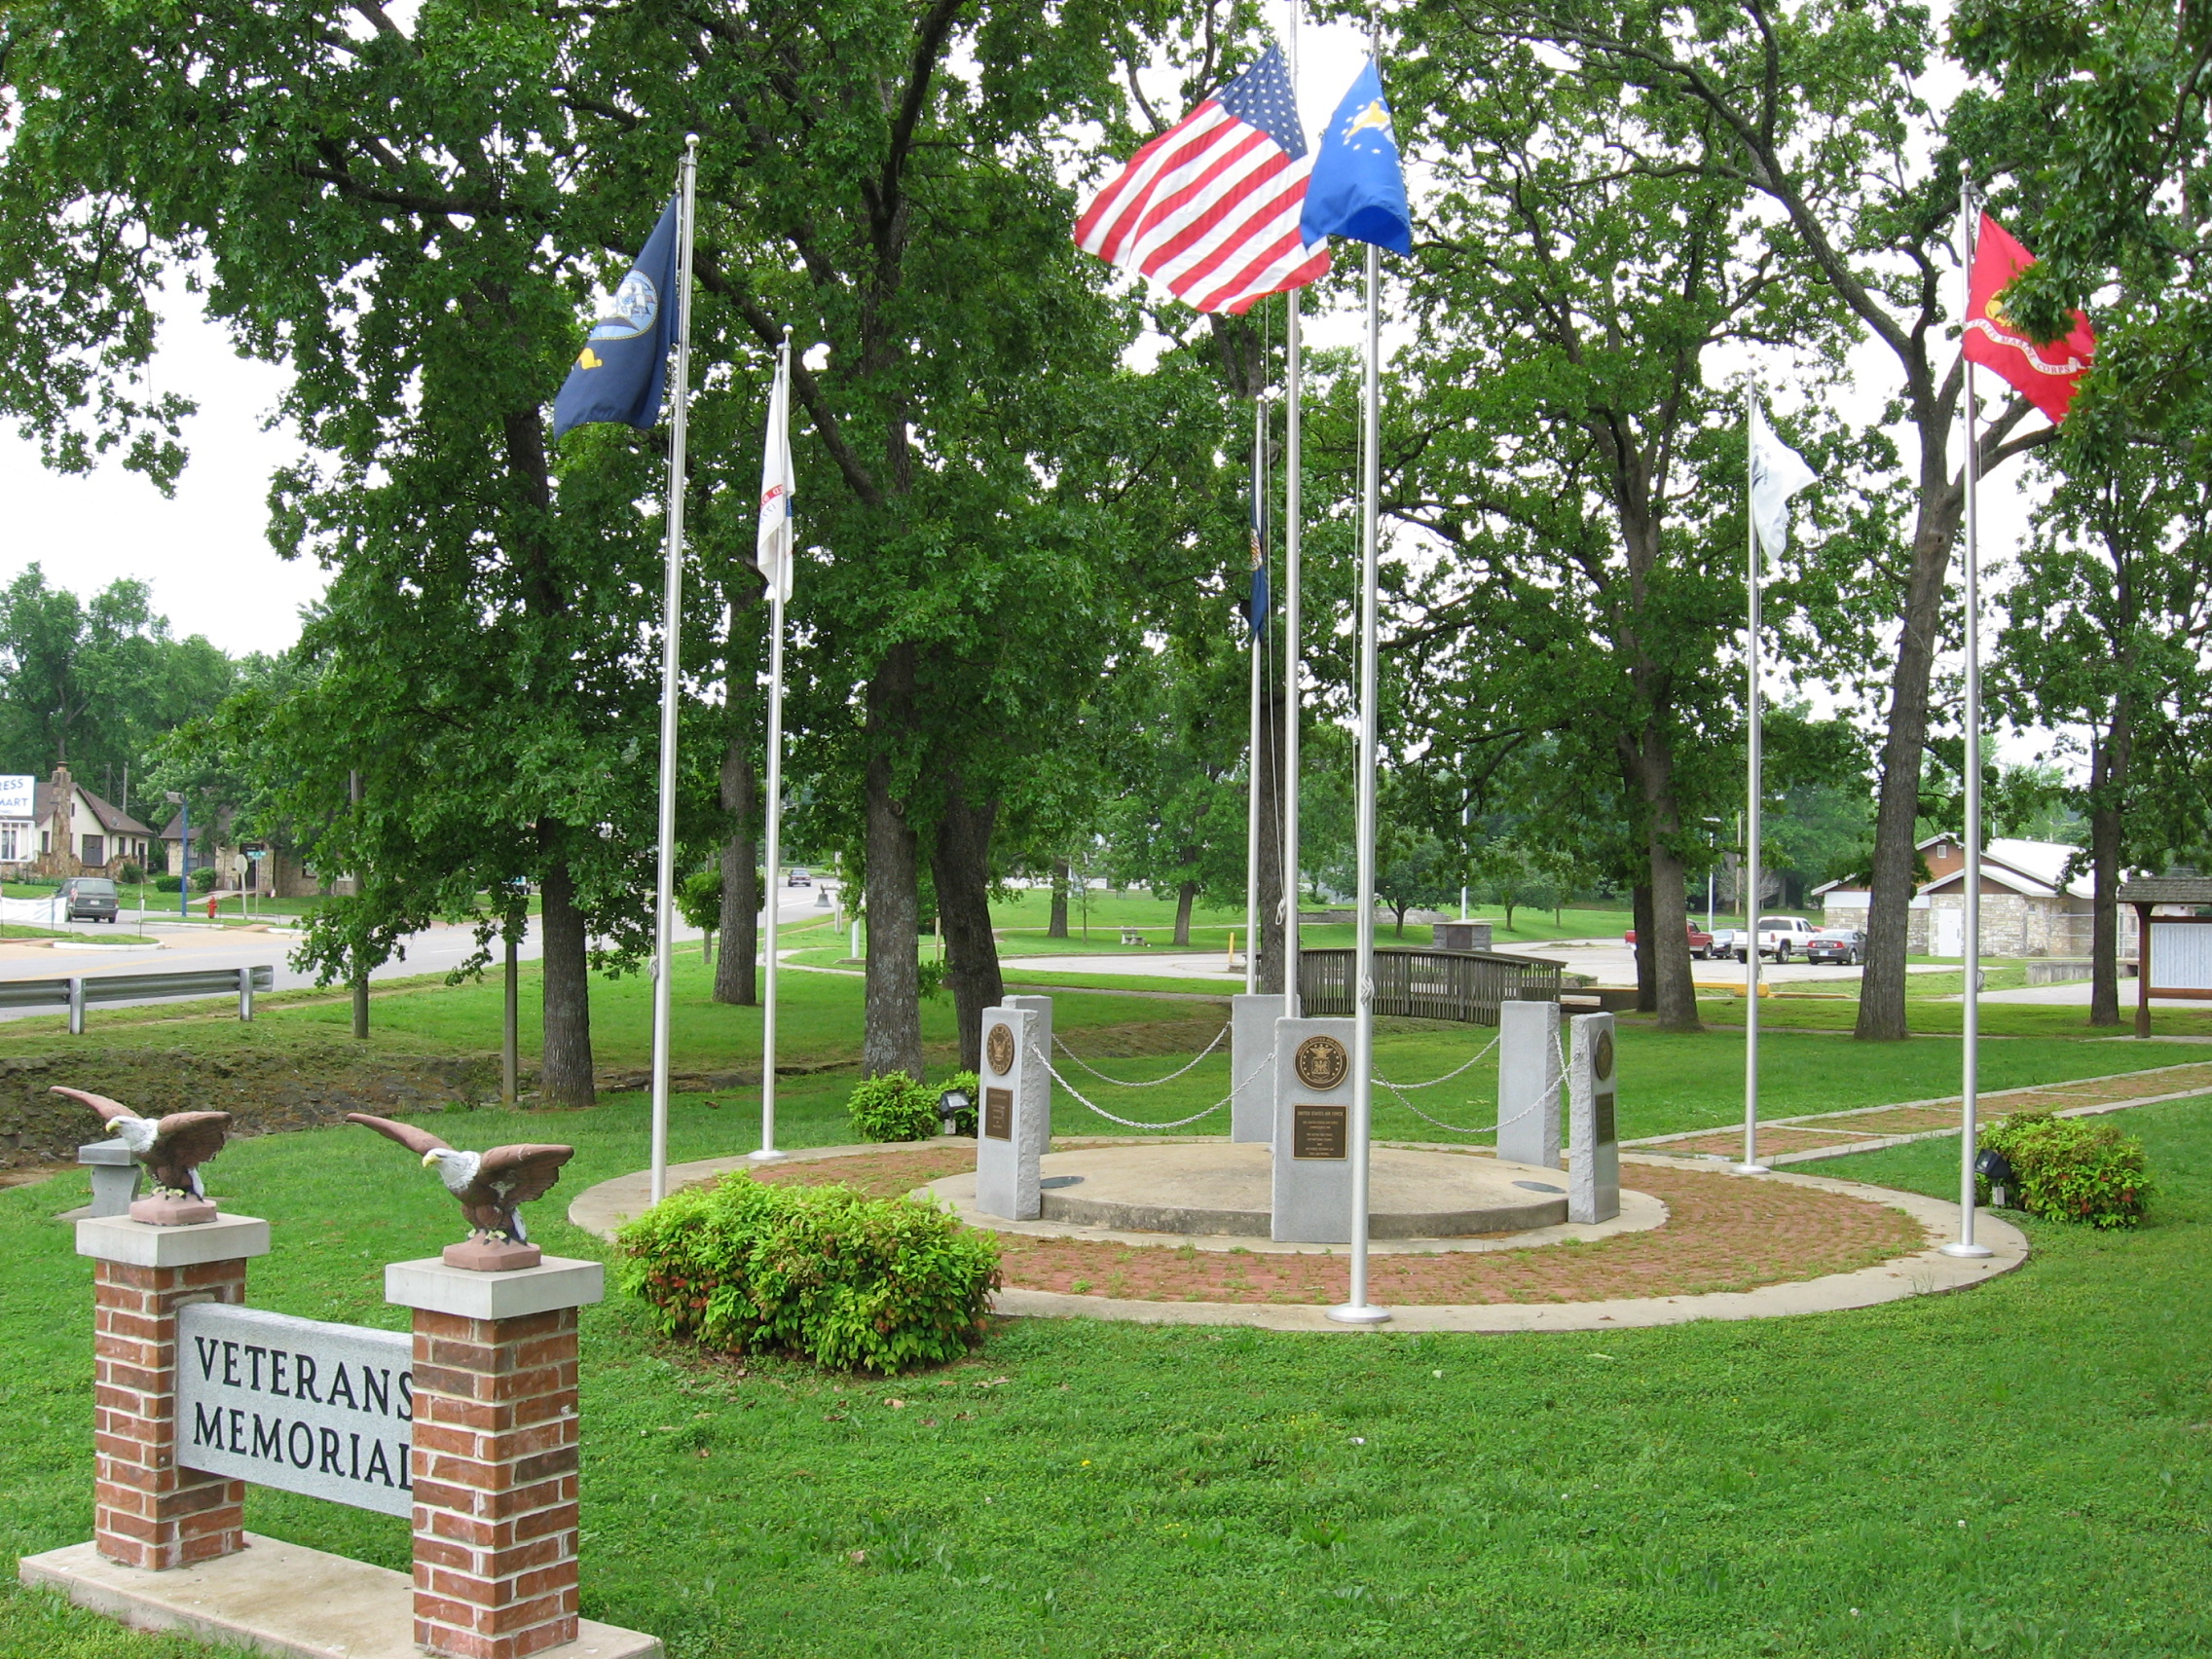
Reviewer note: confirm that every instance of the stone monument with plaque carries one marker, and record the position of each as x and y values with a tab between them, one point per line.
1593	1152
1014	1120
1313	1129
1528	1083
1252	1020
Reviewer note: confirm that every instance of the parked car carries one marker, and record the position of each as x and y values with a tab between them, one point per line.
1701	942
1780	936
798	878
1727	942
90	899
1844	946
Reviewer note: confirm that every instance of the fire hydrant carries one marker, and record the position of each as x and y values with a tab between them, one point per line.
210	906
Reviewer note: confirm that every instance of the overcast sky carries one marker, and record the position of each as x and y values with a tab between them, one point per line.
205	551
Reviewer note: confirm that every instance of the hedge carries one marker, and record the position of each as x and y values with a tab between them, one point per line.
893	1107
2071	1168
845	1280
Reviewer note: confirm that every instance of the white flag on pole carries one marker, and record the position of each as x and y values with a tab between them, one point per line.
773	553
1777	472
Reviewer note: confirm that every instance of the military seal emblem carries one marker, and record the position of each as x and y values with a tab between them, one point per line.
1322	1062
998	1048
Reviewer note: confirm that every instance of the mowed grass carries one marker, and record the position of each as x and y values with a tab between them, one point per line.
2018	1470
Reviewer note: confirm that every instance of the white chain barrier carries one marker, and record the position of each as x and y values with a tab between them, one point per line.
1123	1083
1393	1087
1132	1122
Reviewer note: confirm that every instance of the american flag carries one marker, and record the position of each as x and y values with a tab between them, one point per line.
1209	208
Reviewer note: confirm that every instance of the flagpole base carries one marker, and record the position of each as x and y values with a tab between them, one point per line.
1751	1170
1960	1248
1356	1313
767	1154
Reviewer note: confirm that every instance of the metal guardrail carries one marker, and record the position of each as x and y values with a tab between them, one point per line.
78	992
1466	985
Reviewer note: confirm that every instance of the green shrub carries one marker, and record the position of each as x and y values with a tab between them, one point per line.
203	879
2071	1168
167	883
131	874
845	1280
893	1107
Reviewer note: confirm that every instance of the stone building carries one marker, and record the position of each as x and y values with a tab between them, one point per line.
2029	906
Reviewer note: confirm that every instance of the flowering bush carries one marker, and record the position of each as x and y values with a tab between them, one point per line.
2071	1168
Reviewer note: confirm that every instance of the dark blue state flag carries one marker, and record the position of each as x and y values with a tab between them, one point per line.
1255	605
1358	189
620	373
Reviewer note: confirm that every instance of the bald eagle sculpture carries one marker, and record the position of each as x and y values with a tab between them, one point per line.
492	1186
173	1148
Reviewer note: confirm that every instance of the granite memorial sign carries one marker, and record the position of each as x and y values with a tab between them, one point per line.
1310	1194
300	1404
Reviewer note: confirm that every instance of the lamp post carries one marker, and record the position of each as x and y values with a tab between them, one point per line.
183	855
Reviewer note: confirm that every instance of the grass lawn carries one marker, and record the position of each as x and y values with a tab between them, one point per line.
2020	1471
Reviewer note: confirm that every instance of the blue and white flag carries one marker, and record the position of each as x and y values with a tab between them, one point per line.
623	367
1358	189
1255	607
772	549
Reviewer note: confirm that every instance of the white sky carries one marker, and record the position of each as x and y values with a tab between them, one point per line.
205	551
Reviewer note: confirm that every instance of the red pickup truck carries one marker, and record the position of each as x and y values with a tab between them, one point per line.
1701	942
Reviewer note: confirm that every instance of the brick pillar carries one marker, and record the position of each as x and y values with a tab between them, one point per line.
495	1453
147	1511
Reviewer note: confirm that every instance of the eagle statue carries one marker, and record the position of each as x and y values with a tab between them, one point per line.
492	1186
173	1148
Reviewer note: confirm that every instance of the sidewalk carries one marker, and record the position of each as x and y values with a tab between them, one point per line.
1868	1128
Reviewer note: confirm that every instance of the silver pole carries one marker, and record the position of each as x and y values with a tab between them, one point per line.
672	617
775	828
1356	1310
1293	480
1254	810
1969	1046
1750	896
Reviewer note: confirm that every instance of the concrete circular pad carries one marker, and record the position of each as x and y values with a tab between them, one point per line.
1228	1189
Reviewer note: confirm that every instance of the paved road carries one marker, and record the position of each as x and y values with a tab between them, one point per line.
186	946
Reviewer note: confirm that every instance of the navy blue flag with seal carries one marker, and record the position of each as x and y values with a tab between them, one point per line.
621	371
1358	189
1255	607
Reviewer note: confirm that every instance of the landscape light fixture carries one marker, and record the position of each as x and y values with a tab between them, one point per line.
1996	1168
953	1105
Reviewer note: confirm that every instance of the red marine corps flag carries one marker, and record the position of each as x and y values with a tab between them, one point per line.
2047	376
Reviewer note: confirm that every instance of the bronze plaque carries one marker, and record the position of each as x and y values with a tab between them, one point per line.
1321	1063
998	1048
1601	1109
998	1112
1318	1131
1601	1060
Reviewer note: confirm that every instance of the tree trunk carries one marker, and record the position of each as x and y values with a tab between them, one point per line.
1672	992
564	1067
1881	988
2108	787
891	1040
1057	927
1185	895
1274	940
962	865
1646	930
734	978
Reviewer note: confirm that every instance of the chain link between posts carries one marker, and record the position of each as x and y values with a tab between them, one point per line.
1132	1122
1123	1083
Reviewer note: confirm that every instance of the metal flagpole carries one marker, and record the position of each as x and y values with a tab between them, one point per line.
1356	1310
672	617
775	827
1292	481
1970	1047
1254	810
1751	894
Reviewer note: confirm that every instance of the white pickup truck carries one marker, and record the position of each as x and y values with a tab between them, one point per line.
1780	938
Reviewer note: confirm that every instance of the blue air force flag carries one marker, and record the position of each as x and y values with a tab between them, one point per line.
1255	605
620	373
1358	190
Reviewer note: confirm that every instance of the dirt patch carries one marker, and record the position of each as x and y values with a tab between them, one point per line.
1722	1233
266	1093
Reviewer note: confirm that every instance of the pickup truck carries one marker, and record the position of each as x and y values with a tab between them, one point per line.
1701	942
1780	938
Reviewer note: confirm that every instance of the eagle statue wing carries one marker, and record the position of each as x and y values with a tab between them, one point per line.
521	1173
109	1110
419	1142
182	1142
